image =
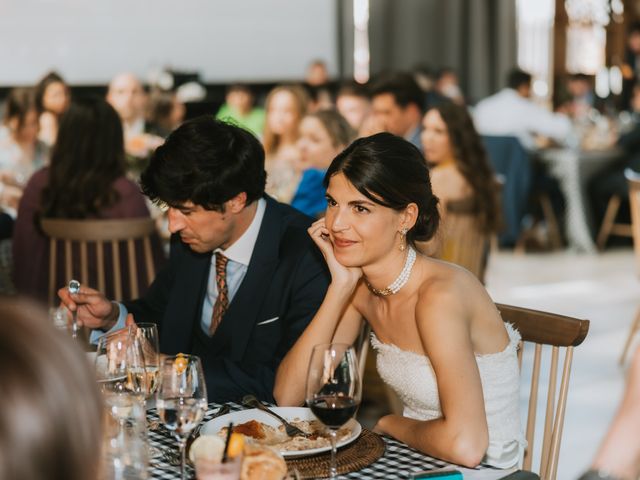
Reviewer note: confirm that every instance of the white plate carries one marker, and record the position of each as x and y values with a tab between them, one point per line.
212	427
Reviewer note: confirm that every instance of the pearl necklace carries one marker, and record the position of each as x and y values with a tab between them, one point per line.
400	281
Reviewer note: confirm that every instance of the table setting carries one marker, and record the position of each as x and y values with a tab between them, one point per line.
158	423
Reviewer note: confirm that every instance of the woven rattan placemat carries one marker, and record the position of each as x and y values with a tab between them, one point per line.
368	448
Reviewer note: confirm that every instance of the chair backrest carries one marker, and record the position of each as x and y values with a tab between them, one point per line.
560	333
633	178
112	251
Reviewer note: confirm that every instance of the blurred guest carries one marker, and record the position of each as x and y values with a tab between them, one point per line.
86	179
52	408
448	86
52	100
581	98
618	458
316	80
323	135
317	74
354	104
240	107
611	181
463	181
397	103
510	112
631	66
21	153
128	98
166	112
285	106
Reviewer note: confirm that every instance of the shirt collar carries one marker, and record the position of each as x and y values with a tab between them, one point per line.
242	249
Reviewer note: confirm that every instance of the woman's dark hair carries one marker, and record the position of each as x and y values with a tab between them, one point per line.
391	172
86	160
207	162
20	101
50	421
41	88
472	162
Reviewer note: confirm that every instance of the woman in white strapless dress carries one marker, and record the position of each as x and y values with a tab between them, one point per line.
441	342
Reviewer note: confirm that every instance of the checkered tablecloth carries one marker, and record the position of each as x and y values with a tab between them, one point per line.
398	460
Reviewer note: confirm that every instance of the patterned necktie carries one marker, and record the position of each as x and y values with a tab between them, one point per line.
222	302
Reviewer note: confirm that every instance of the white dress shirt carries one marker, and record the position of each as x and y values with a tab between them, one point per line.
509	114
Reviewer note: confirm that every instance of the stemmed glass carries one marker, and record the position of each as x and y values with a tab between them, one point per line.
118	359
147	336
334	389
181	398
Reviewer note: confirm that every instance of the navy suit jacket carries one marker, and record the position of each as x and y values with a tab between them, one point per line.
283	288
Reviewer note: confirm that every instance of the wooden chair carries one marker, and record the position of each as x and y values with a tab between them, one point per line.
634	201
105	249
609	226
558	332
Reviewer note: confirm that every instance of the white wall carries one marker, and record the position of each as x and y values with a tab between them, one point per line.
88	41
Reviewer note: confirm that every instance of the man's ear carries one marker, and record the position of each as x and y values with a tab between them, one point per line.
237	203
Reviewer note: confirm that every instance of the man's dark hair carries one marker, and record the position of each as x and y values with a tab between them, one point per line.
207	162
402	86
352	89
517	78
634	27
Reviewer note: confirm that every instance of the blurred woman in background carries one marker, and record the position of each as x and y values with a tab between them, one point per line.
323	135
52	100
285	107
464	182
86	179
51	415
21	153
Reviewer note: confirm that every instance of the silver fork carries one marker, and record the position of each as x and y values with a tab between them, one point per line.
291	430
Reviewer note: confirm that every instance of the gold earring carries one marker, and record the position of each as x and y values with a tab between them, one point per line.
403	234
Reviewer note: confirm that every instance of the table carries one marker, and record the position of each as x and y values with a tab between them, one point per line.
398	461
573	168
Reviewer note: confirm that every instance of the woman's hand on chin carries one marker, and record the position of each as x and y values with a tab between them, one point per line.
341	276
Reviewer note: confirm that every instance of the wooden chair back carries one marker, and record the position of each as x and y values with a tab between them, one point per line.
80	247
561	333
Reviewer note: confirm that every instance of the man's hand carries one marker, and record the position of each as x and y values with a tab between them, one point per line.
94	309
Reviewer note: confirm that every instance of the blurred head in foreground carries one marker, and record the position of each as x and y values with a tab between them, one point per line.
50	420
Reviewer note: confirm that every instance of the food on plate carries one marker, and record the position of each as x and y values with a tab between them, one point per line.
208	447
262	463
276	437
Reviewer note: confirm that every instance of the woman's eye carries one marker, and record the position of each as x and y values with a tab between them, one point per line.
331	202
361	209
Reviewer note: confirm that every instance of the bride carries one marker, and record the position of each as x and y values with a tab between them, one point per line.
441	343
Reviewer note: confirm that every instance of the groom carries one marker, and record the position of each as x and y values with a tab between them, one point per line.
243	280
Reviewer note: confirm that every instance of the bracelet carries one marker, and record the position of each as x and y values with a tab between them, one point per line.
592	474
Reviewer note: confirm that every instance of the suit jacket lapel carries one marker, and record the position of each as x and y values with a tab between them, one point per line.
244	309
185	307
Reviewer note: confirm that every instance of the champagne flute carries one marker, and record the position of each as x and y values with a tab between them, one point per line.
147	335
181	398
333	389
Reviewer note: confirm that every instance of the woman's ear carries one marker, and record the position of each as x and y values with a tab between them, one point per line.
409	216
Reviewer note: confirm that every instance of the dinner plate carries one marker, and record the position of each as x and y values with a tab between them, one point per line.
212	427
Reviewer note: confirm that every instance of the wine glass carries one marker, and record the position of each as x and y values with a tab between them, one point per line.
118	359
334	389
181	399
147	335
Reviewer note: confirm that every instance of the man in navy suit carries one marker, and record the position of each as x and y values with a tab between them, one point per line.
243	280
